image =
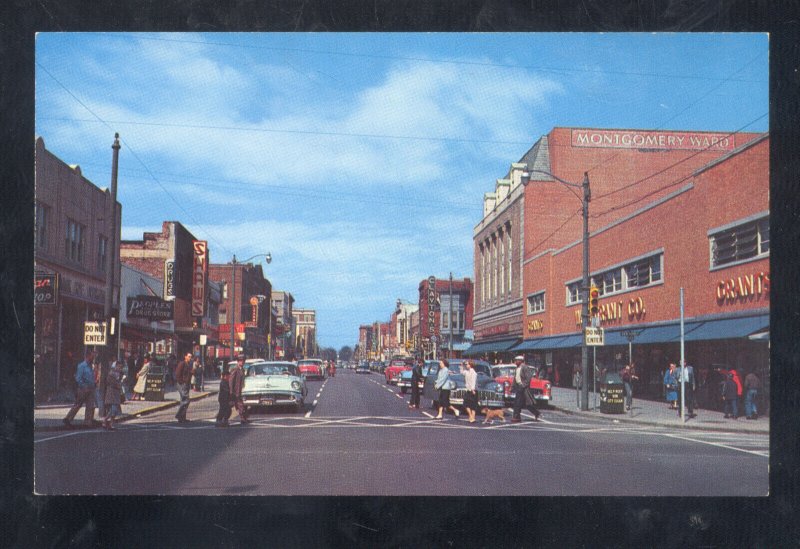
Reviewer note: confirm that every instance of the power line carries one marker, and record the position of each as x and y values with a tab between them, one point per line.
548	237
446	61
133	152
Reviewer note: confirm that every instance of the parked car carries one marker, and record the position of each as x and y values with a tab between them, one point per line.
311	368
490	393
404	382
504	374
274	384
393	370
362	368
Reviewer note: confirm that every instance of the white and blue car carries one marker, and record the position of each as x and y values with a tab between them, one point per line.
268	384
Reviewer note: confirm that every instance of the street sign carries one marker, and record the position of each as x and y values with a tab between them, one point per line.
595	336
94	333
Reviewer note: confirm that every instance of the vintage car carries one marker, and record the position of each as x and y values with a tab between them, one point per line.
504	374
274	384
362	368
490	393
393	370
404	381
311	368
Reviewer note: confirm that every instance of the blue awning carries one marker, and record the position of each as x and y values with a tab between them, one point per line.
728	328
491	346
538	343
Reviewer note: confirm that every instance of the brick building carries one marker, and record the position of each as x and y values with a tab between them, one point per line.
306	342
246	304
521	222
434	313
706	231
72	257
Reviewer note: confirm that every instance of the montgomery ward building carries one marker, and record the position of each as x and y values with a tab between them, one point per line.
520	222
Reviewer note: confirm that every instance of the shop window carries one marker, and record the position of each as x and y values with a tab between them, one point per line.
610	282
644	272
41	223
536	303
746	241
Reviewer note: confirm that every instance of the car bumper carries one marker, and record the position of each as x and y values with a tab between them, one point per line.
486	399
273	398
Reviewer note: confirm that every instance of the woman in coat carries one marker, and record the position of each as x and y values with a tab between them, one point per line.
443	385
671	386
141	378
113	394
471	396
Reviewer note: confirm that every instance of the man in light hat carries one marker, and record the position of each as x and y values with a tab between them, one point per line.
236	383
522	383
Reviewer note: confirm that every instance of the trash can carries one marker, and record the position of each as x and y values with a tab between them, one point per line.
612	399
154	383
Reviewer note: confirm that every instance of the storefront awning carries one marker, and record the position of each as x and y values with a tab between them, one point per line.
491	346
728	328
552	342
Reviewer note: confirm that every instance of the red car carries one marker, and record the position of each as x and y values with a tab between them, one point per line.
311	368
504	374
393	370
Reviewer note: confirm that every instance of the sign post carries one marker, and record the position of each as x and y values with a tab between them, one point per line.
594	336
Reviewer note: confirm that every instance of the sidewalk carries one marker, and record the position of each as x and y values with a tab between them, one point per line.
648	412
48	417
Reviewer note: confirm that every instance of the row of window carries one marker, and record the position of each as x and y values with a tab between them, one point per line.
496	261
74	239
741	242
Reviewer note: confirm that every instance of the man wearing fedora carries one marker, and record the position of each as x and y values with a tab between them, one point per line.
522	383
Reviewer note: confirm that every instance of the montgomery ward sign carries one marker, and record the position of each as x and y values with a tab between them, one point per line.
199	277
150	307
632	139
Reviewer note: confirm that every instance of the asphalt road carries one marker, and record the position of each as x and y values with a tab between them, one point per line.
358	437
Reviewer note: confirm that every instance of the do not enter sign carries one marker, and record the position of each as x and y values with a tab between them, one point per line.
94	333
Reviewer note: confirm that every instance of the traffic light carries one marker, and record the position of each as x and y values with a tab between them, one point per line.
594	295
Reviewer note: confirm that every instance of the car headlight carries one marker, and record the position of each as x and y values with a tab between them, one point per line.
296	385
500	388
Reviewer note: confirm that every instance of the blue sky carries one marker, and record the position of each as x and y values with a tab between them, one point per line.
359	161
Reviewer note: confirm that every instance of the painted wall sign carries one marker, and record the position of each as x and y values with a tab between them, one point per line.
621	139
169	279
150	308
743	288
45	289
199	277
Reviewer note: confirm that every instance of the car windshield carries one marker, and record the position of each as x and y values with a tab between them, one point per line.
506	371
269	370
308	363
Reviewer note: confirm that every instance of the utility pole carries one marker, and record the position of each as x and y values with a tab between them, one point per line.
113	253
585	291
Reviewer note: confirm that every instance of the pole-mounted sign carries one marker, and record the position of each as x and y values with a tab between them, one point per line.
94	333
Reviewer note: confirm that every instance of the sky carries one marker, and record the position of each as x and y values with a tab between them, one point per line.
359	161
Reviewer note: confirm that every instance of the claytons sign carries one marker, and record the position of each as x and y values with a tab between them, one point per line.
633	139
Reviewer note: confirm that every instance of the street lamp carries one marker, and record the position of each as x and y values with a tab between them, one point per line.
268	258
526	177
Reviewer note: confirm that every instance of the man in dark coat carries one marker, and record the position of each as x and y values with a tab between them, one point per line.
416	378
183	379
522	396
236	385
224	398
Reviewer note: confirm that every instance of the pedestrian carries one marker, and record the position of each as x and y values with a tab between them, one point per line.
131	374
84	391
224	398
172	363
444	384
686	384
416	379
236	382
197	374
671	387
752	385
737	379
113	395
522	392
577	382
730	398
628	377
183	378
141	378
471	394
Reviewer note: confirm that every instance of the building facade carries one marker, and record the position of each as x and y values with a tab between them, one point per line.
438	331
285	329
175	256
73	252
306	342
708	236
245	304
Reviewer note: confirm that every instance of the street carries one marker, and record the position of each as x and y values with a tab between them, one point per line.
358	437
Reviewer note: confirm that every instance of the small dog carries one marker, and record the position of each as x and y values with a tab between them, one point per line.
491	414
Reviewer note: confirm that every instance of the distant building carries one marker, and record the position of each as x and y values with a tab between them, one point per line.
437	326
285	330
306	342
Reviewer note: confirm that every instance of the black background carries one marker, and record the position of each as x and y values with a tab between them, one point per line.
27	520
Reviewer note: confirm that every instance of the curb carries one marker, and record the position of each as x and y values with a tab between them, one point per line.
623	418
142	412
